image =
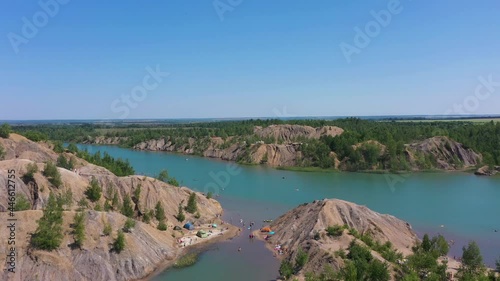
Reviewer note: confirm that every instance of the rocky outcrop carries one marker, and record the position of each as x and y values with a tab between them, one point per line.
147	248
289	133
446	154
487	171
305	228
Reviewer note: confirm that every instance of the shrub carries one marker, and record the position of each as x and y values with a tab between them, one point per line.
186	260
63	163
94	190
107	229
49	233
5	130
31	170
286	269
52	174
83	204
180	214
192	206
335	231
127	209
159	212
79	229
301	259
162	226
197	215
58	147
129	225
22	203
119	244
210	195
2	152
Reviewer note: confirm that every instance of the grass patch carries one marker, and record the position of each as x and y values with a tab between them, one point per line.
187	260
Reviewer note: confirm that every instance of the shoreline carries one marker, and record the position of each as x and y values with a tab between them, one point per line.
198	247
310	169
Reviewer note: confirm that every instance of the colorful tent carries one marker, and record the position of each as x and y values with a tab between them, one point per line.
202	234
189	226
265	229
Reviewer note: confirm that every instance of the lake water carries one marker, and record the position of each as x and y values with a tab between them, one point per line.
461	206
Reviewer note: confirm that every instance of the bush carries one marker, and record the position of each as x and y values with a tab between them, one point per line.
5	130
148	215
22	203
186	260
52	174
129	225
301	259
58	147
127	209
2	152
180	214
83	204
192	206
335	231
119	244
79	229
162	226
210	195
159	212
49	233
107	229
63	163
94	190
286	269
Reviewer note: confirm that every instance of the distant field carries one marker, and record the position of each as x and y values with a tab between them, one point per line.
475	120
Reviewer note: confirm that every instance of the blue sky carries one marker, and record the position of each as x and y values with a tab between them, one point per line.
256	58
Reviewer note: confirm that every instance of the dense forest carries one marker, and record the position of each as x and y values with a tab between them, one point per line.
481	137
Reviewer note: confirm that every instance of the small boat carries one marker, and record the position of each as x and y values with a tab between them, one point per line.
267	220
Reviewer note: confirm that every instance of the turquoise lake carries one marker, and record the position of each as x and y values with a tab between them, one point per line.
461	206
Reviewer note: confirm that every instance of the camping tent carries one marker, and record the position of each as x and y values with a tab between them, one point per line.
177	228
214	225
265	229
202	234
189	226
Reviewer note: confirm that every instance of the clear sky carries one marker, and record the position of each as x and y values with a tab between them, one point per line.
247	58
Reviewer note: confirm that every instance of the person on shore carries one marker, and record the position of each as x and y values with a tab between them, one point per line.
239	249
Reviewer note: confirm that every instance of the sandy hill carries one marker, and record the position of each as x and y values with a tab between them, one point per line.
148	248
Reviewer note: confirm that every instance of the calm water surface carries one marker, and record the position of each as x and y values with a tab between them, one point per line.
461	206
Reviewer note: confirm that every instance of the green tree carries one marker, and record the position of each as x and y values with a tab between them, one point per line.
58	147
83	204
94	190
180	214
52	174
137	195
301	259
472	261
79	229
192	206
72	148
162	226
22	203
2	152
334	231
129	225
378	271
286	269
115	201
163	175
63	163
119	244
210	195
127	209
49	233
5	130
159	212
31	170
